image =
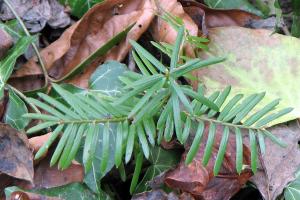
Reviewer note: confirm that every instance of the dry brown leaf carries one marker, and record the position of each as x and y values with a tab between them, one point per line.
199	180
280	163
163	32
206	17
37	142
96	27
49	177
100	24
16	158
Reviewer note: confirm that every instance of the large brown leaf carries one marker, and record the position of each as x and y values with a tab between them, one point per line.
96	27
99	25
16	158
280	164
200	181
49	177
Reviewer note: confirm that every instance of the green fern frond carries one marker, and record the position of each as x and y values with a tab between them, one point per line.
152	106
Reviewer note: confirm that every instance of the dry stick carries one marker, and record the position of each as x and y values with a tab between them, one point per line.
33	44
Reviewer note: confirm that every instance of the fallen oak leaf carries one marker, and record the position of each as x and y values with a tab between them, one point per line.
16	158
200	181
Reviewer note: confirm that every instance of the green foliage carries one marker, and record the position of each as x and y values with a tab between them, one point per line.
292	191
235	4
14	111
7	64
74	191
80	7
161	160
150	106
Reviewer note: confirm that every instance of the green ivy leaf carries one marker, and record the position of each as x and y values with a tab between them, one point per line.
234	4
8	63
15	110
74	191
93	177
292	191
161	160
106	78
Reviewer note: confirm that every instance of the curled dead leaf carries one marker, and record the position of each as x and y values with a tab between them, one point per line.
200	181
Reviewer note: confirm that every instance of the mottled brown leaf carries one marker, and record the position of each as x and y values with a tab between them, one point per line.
49	177
280	163
199	180
16	158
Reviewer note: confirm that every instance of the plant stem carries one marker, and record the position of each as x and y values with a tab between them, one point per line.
18	92
204	118
44	70
94	121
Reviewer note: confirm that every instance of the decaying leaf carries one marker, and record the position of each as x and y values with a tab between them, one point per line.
281	164
16	158
199	180
257	61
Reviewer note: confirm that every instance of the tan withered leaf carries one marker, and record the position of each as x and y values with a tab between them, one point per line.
96	27
163	32
206	17
199	180
16	158
280	163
